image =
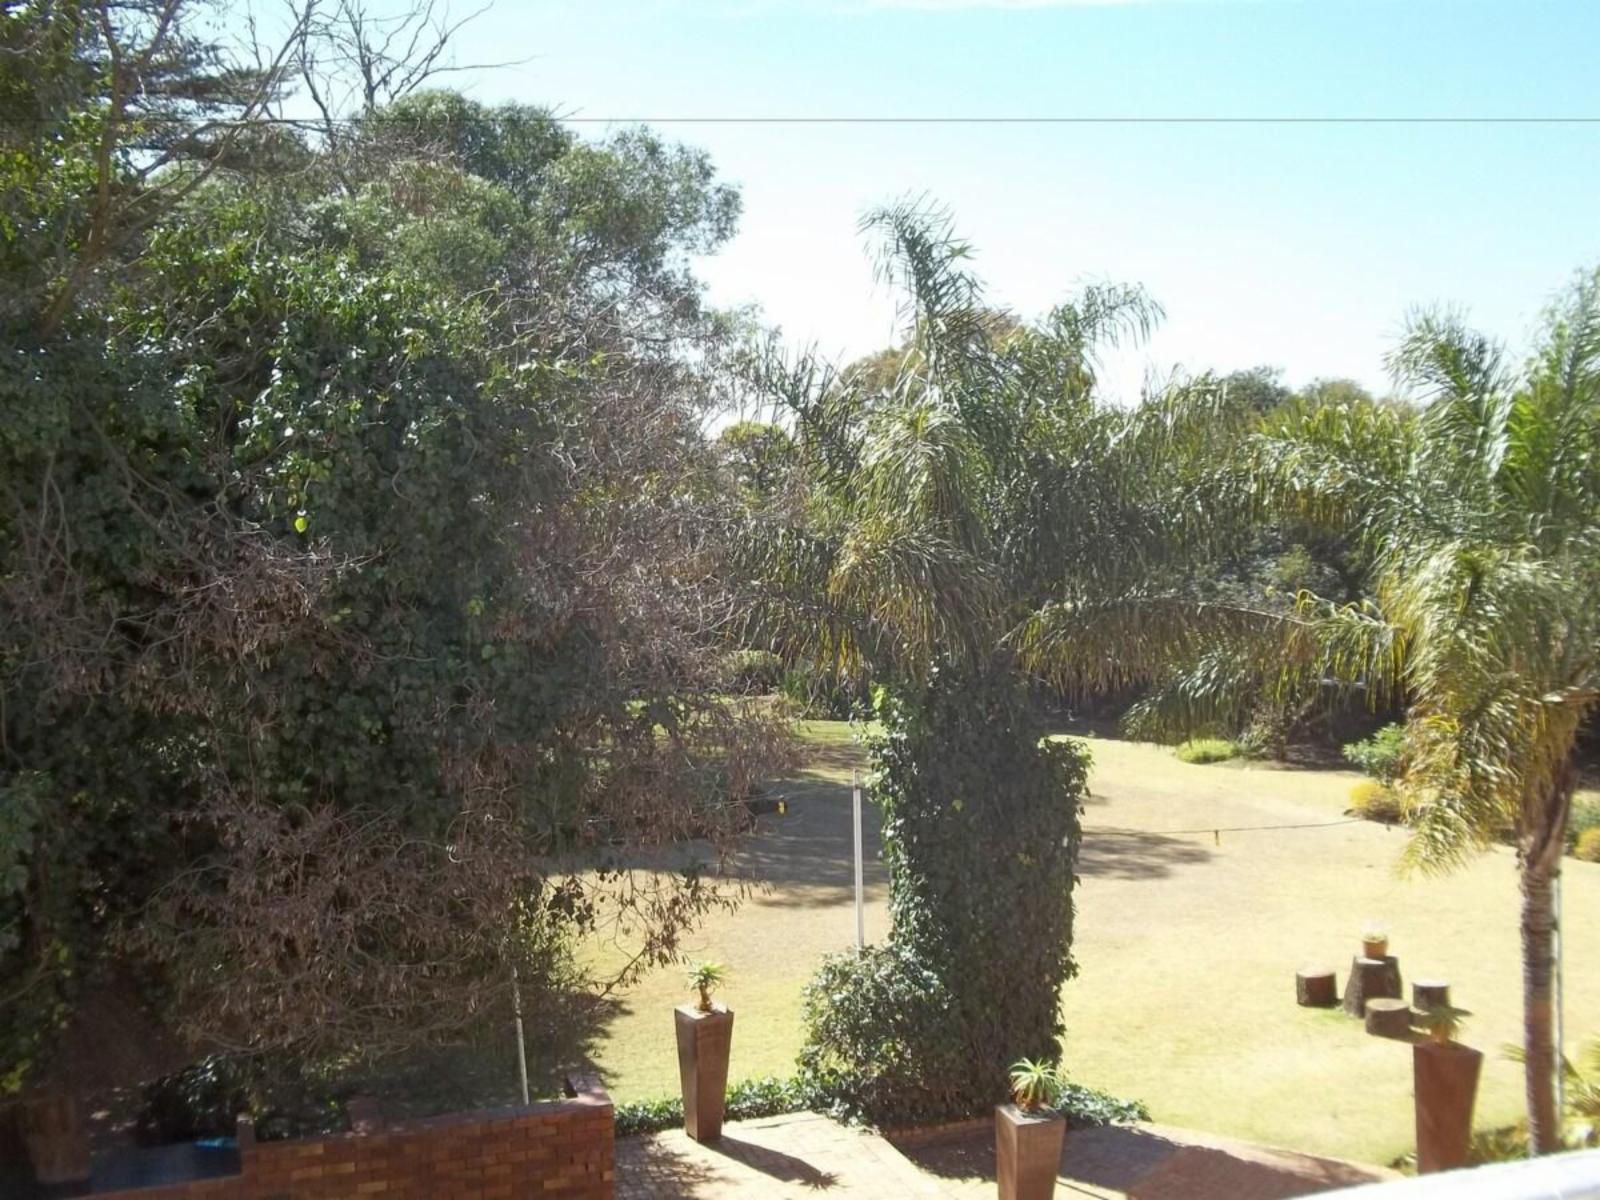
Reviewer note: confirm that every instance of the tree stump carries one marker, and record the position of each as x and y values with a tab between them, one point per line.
1388	1018
1430	993
1371	978
1315	988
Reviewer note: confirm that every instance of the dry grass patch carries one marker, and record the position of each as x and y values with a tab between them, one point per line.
1187	945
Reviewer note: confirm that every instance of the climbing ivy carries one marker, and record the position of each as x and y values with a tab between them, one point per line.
980	836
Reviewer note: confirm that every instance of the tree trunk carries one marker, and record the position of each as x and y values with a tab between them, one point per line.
1538	1007
1543	836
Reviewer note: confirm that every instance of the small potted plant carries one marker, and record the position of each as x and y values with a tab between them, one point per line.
705	1033
1445	1081
1374	941
1028	1133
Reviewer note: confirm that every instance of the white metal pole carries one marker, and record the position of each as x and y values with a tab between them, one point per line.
522	1048
861	912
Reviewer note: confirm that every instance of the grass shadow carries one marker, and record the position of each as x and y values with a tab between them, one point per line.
1129	854
562	1036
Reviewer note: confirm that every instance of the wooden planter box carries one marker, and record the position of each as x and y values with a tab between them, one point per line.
56	1138
704	1039
1445	1076
1027	1152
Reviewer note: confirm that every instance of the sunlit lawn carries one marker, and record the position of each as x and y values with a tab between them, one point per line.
1187	945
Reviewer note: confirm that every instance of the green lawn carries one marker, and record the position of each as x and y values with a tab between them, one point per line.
1187	946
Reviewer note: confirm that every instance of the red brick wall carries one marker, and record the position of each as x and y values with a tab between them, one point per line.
560	1148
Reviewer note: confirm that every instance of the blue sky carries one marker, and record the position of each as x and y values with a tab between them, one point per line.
1301	246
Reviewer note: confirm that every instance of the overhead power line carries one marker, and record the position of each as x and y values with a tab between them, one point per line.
166	122
1083	120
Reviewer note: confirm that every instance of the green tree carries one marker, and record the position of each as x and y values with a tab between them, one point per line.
947	504
1479	519
759	455
1260	389
1333	391
358	540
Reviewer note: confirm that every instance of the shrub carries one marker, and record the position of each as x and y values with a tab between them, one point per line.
747	1100
1377	802
204	1100
880	1038
823	695
1585	816
769	1096
1502	1144
1207	750
1089	1108
980	835
1381	755
753	672
1267	735
1588	846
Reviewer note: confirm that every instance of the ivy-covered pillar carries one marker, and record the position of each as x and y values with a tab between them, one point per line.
980	837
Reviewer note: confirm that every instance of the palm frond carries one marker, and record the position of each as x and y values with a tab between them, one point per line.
1208	657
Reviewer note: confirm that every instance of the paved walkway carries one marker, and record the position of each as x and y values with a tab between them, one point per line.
799	1155
805	1154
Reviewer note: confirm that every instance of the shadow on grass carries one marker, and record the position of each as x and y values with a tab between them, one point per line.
562	1036
807	854
833	756
1129	854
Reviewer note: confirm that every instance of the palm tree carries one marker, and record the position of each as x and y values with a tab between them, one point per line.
974	474
1479	515
951	489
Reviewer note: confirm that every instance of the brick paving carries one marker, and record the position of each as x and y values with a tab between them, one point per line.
1149	1162
799	1155
808	1155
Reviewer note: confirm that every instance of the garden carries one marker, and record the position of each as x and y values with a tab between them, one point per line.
1187	948
429	629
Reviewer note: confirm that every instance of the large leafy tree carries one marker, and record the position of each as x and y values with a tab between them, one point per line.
1477	520
954	486
357	591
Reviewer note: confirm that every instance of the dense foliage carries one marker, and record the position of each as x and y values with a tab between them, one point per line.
1375	800
1477	518
766	1096
1382	755
1585	817
1206	750
948	490
770	1096
358	590
980	835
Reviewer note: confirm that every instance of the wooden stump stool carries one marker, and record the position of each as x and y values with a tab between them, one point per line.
1371	978
1388	1018
1430	993
1314	988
